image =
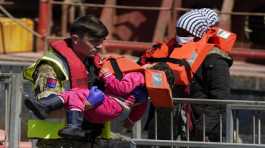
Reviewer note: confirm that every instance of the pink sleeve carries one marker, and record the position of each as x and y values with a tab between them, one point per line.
124	86
109	109
137	112
83	93
75	99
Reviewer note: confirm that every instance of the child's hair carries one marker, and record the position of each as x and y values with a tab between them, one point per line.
90	26
169	73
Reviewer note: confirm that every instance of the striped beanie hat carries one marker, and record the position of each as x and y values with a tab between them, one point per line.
197	21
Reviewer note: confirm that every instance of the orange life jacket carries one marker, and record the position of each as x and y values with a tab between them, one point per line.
186	59
155	80
78	73
121	65
222	39
158	88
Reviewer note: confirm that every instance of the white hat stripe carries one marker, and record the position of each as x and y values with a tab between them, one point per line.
188	17
197	21
183	19
185	22
193	26
192	20
201	31
199	28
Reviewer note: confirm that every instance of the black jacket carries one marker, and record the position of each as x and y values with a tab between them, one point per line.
212	79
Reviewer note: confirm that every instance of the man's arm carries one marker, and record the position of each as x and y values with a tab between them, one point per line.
46	81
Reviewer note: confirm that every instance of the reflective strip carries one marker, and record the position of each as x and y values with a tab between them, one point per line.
223	34
44	129
28	72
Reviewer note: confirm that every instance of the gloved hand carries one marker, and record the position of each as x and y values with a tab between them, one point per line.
140	94
96	96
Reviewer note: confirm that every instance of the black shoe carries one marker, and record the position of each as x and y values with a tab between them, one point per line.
93	130
74	133
42	107
73	129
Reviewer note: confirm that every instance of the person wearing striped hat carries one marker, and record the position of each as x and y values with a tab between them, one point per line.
212	78
193	24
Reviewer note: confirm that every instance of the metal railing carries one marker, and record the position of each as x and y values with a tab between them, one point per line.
152	8
231	130
12	97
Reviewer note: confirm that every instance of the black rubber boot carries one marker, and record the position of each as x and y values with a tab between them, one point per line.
42	107
73	129
93	130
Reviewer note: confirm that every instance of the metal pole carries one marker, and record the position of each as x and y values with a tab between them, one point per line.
237	129
203	127
188	130
7	107
50	8
225	20
162	21
221	127
137	130
154	8
171	29
156	126
64	17
229	123
171	127
43	23
108	17
254	128
15	108
259	130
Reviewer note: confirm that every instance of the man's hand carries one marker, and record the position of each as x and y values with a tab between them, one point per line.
95	97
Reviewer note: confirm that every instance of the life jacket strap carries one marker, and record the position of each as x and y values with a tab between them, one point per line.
116	68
